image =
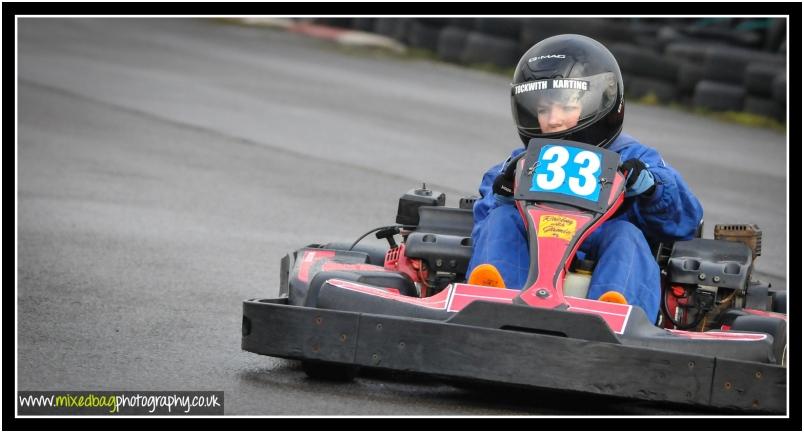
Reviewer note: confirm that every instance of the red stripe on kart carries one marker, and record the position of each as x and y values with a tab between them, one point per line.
717	335
465	294
335	266
615	315
765	313
437	301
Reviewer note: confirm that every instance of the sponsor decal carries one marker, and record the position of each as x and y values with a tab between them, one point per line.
551	84
557	226
547	56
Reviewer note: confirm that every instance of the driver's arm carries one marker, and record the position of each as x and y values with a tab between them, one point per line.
671	212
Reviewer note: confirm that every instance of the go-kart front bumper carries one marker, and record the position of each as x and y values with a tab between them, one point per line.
586	361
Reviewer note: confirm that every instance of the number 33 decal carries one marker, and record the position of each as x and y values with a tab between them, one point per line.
583	172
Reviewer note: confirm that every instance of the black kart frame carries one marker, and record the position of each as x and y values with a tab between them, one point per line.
472	346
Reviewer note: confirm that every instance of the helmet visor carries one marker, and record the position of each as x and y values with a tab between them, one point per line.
558	105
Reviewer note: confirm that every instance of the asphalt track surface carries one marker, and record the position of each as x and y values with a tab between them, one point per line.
165	166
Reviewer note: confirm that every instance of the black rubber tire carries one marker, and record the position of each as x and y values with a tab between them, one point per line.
394	28
434	22
604	30
775	34
764	107
779	301
780	89
422	35
759	78
693	51
668	35
689	74
728	64
731	36
645	62
536	29
330	371
775	327
648	42
643	86
451	43
483	49
718	96
464	23
363	24
508	28
627	81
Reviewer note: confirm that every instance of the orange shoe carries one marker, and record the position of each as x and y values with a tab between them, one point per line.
486	275
614	297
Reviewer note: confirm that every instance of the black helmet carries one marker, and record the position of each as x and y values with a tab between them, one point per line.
569	69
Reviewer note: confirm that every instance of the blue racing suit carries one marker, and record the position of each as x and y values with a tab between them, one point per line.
620	245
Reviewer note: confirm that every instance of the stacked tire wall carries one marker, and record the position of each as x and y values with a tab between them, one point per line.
718	64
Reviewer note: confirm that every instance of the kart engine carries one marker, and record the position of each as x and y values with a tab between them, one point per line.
708	281
437	240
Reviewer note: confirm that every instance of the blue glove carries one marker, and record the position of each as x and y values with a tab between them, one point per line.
639	180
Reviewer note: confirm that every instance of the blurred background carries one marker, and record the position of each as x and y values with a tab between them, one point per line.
732	65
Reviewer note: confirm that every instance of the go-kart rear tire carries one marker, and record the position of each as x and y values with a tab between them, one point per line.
330	371
779	302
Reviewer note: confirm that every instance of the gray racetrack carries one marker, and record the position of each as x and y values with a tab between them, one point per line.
165	166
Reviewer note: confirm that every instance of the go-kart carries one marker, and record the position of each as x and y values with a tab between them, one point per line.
719	340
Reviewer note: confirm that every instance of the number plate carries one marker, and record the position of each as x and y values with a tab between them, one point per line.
568	170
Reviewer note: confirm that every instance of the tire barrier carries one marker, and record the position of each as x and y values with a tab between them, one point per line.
463	23
451	42
508	28
689	74
640	87
728	64
394	28
759	78
718	96
484	49
645	62
780	89
764	107
363	24
424	35
721	64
